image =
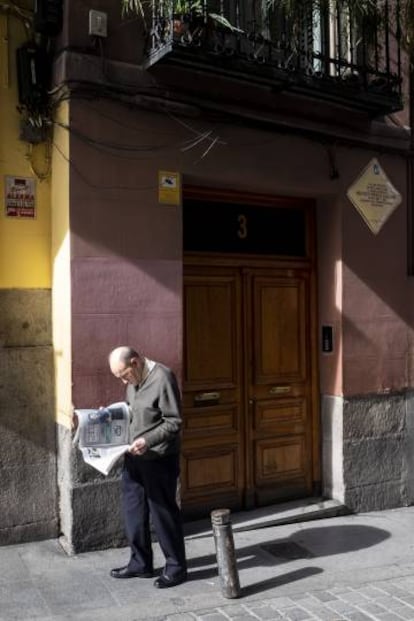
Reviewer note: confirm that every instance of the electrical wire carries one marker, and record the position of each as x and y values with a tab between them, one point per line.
130	151
118	120
185	146
100	186
118	149
17	10
23	15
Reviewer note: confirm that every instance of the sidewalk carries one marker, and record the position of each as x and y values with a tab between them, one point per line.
352	567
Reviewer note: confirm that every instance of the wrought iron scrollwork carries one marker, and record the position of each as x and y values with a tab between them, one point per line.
327	42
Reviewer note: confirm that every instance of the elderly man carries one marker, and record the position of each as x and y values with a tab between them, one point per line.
151	467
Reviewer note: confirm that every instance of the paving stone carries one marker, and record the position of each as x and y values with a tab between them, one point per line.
280	602
341	607
263	612
308	602
296	614
368	586
388	616
338	589
353	597
372	591
371	608
325	614
248	617
359	616
325	596
388	587
240	615
407	599
21	598
404	612
232	611
389	602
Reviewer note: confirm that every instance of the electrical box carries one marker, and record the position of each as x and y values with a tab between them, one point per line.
48	16
32	76
97	23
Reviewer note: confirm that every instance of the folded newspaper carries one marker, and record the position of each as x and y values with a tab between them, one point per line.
103	435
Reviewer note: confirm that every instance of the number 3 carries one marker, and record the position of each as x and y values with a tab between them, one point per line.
242	232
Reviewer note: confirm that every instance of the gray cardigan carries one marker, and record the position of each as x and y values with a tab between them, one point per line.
156	412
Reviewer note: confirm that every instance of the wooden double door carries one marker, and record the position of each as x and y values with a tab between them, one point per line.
249	436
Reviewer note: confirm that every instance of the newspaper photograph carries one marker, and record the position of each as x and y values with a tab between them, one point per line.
102	435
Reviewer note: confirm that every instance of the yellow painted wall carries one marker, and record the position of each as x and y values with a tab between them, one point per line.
25	260
61	290
35	253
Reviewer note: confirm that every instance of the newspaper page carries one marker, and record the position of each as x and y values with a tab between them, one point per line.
103	435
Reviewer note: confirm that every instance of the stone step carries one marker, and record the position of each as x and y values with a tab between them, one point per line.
302	510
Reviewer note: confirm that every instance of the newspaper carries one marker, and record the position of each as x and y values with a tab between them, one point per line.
103	435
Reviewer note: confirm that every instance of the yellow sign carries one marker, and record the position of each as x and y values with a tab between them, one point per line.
169	187
374	196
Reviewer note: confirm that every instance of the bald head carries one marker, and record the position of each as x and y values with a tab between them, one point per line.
122	354
126	364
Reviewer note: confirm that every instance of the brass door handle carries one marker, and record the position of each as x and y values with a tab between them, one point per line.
280	390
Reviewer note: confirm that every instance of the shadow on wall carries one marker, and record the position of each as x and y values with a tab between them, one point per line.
27	423
26	387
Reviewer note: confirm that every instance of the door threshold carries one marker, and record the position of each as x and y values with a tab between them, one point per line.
302	510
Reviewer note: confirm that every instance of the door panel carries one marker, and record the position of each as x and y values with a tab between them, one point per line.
213	445
211	470
279	307
210	344
279	459
279	429
285	414
247	397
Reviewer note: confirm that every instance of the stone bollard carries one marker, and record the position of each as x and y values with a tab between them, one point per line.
226	558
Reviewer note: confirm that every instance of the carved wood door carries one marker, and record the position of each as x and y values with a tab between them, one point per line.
278	380
247	397
213	469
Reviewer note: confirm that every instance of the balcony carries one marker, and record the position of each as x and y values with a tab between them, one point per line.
324	50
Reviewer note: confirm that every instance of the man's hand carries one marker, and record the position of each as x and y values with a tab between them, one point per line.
138	447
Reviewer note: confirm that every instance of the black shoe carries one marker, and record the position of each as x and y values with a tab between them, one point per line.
165	582
125	572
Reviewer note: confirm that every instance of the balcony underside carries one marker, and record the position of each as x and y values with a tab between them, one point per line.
326	51
375	100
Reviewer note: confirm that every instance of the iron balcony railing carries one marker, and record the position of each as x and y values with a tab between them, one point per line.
331	49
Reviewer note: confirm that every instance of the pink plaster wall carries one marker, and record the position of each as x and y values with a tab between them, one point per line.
120	302
377	313
329	232
127	248
126	261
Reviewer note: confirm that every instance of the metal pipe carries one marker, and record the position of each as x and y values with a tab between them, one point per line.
226	558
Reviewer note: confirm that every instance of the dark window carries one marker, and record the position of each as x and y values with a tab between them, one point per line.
237	228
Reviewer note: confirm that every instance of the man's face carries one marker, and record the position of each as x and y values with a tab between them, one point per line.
128	373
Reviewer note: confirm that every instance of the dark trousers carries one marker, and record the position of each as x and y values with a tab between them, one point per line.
149	488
